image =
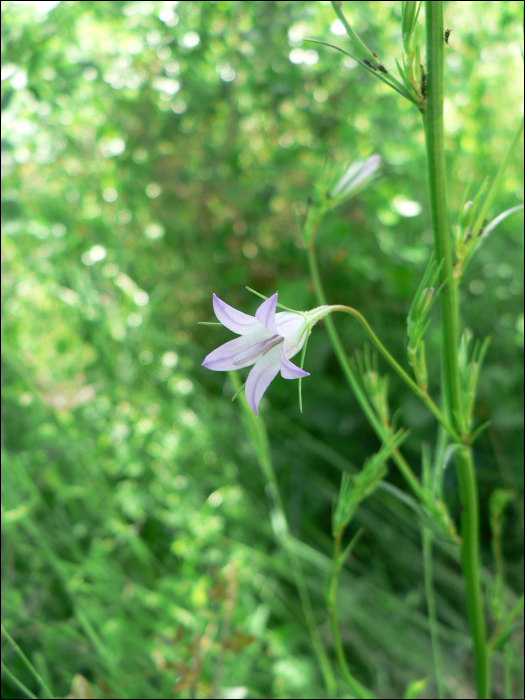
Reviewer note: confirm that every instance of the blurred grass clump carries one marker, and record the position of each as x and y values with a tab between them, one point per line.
156	152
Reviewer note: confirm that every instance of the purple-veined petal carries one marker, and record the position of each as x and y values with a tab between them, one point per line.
222	358
265	314
264	370
236	321
289	370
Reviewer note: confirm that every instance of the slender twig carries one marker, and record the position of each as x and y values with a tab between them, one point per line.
228	608
353	381
503	627
257	432
18	683
32	669
395	86
400	371
429	482
431	606
357	689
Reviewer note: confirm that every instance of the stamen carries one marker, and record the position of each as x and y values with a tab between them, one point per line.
260	348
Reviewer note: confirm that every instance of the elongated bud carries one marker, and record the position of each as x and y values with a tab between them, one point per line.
355	178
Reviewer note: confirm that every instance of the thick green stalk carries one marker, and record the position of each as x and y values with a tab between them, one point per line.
433	121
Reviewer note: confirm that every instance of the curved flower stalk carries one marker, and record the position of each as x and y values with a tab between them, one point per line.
267	341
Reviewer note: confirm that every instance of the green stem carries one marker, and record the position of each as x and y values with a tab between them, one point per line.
433	122
365	54
431	605
32	669
498	181
18	683
257	431
357	689
491	196
401	372
362	48
391	82
502	628
508	659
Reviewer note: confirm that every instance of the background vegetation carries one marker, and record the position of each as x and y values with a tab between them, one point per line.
156	152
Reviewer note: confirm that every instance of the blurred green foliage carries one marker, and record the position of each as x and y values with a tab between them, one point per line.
153	153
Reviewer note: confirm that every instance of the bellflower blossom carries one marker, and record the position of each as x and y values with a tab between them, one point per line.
267	341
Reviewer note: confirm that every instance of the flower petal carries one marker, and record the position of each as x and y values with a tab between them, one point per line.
265	314
289	370
234	320
291	347
289	325
264	370
222	358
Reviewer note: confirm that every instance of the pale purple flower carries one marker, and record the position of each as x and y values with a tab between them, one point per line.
266	341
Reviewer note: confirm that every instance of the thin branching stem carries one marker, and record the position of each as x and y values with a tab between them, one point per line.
259	438
357	689
432	611
397	367
29	665
353	381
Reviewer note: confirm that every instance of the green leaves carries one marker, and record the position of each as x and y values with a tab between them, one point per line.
473	226
410	26
412	71
369	60
469	368
424	298
375	386
355	489
361	48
